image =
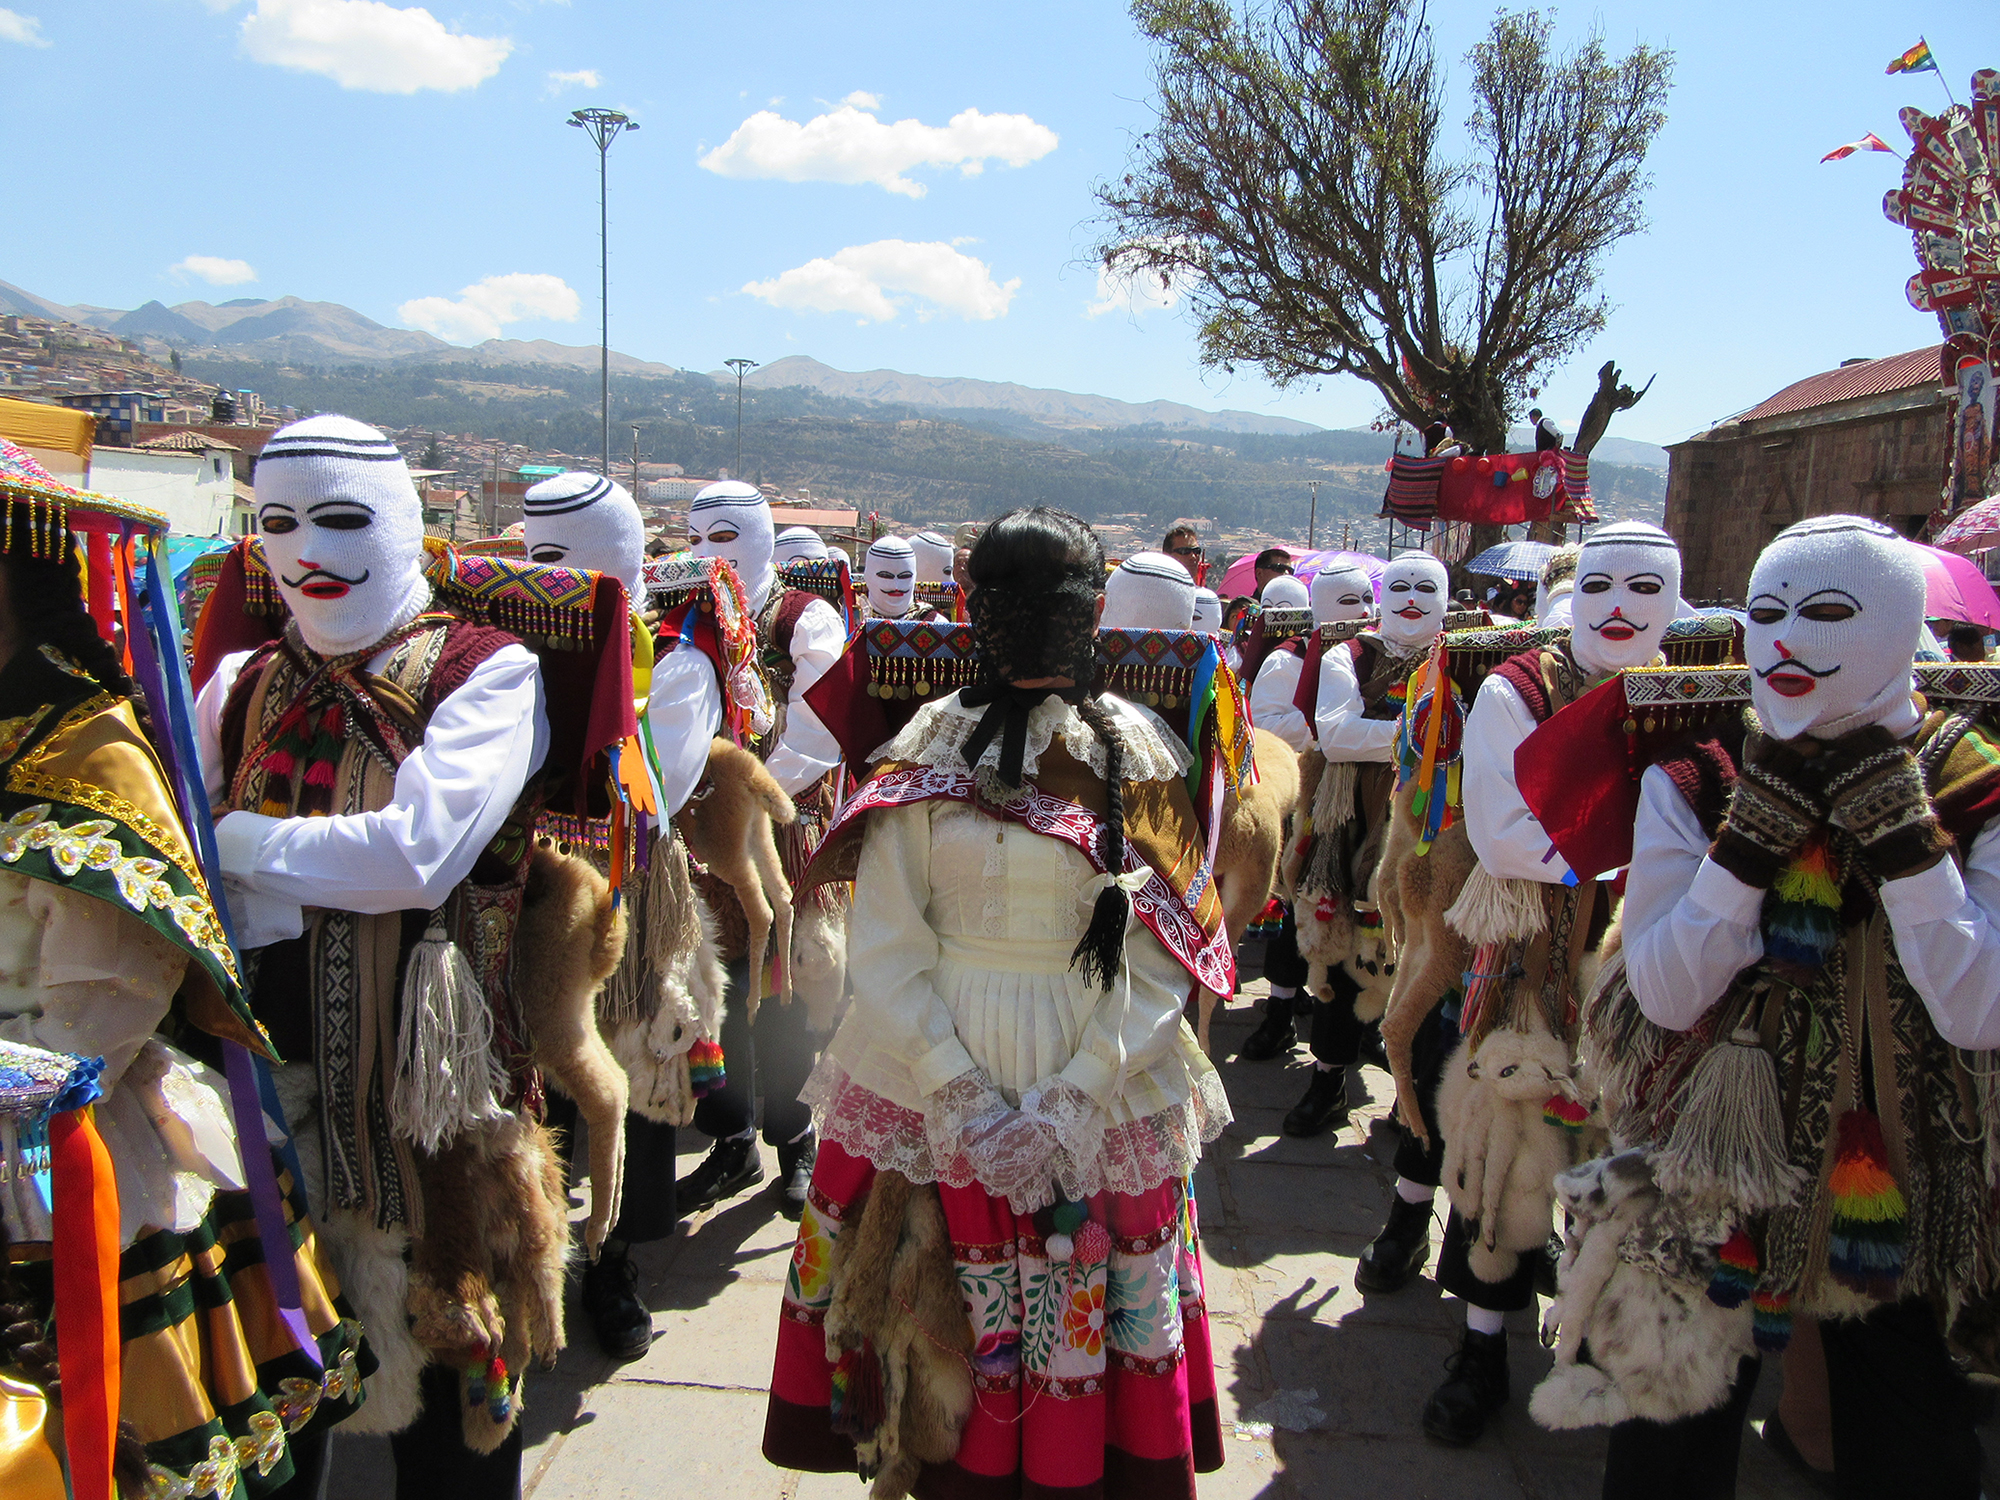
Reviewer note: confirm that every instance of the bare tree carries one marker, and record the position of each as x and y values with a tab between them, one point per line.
1296	188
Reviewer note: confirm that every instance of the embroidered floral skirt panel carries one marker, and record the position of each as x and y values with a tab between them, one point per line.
1093	1377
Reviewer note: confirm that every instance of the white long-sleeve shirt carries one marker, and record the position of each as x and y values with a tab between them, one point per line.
1344	735
808	750
1508	839
1691	926
684	712
452	794
1271	696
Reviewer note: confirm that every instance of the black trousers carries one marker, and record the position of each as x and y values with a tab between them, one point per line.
1282	964
1902	1421
432	1461
769	1061
1336	1031
1692	1459
650	1209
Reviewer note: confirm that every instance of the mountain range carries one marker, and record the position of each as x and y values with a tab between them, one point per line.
293	331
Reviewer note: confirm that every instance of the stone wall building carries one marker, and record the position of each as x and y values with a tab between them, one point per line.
1869	438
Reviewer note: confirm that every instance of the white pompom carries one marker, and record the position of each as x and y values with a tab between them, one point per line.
1060	1246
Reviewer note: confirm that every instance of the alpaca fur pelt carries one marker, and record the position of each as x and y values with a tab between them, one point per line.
1253	836
569	939
897	1254
819	959
653	1052
1659	1349
1500	1155
488	1273
730	829
1413	891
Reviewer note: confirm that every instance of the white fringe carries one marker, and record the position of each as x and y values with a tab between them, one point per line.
1727	1149
1492	910
447	1078
1334	802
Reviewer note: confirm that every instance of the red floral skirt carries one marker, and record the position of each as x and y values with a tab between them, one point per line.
1093	1377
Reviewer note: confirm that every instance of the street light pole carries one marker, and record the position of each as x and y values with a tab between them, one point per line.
603	126
742	367
1312	516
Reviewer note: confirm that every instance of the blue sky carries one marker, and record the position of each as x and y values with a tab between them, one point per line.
388	158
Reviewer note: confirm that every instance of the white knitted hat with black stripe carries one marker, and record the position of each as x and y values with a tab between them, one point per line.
342	530
583	520
1149	591
933	556
732	520
797	544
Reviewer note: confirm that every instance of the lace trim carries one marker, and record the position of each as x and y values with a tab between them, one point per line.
937	736
1133	1157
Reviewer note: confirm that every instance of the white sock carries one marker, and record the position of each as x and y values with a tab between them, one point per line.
1282	992
1413	1192
1484	1320
1326	1067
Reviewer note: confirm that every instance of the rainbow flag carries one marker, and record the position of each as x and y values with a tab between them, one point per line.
1917	60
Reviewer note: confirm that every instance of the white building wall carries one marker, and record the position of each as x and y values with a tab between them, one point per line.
193	490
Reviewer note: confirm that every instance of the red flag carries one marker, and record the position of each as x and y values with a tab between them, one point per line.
1869	142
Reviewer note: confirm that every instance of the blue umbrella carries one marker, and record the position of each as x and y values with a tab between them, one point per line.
1518	560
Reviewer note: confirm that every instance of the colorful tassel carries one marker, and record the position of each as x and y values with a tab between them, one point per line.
706	1072
1736	1269
1864	1247
1563	1111
1771	1321
857	1407
1801	919
491	1388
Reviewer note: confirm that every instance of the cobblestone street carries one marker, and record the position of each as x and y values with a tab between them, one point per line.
1321	1388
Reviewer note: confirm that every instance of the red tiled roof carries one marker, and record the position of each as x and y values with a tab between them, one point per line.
190	440
1873	377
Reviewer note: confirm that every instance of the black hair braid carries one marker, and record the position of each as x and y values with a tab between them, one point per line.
1100	953
46	595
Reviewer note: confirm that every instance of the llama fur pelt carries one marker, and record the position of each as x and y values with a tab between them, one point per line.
569	939
730	829
1413	892
487	1275
895	1286
1500	1155
653	1051
1252	839
1659	1348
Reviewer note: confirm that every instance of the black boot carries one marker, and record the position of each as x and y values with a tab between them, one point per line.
1274	1036
611	1301
795	1174
1475	1388
728	1169
1402	1249
1324	1104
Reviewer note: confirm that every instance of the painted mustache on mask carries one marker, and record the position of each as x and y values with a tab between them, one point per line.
1792	678
1616	628
1412	611
320	583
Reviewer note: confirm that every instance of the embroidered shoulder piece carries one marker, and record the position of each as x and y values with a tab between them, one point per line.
937	736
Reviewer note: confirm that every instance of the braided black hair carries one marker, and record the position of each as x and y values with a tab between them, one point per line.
1039	573
46	597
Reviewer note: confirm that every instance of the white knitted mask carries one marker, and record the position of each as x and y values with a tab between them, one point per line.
797	544
732	521
892	576
1836	609
343	532
933	554
1149	591
1285	592
580	520
1207	611
1342	592
1416	592
1628	587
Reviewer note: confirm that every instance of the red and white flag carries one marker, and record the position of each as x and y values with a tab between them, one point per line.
1869	142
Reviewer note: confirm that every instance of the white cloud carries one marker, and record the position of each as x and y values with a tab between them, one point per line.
368	45
215	270
485	307
1129	287
15	27
864	278
862	99
582	78
851	145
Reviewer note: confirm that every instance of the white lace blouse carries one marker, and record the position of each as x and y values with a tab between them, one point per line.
962	929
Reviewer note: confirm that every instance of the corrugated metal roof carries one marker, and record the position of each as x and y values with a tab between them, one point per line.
1874	377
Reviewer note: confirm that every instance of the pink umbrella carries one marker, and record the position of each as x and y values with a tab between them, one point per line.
1239	579
1956	590
1974	529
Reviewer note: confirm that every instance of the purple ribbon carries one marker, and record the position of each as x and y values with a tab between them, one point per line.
246	1110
